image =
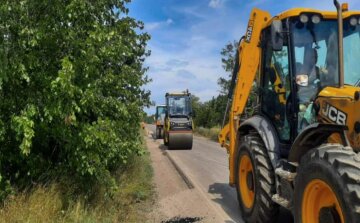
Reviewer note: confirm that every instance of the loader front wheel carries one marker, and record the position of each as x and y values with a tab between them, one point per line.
327	186
255	181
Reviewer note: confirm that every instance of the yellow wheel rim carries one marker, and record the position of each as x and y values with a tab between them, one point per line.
247	194
319	195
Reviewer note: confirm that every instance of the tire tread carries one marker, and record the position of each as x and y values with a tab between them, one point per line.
347	167
267	209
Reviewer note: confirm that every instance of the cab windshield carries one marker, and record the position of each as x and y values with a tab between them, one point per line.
316	55
160	112
351	53
179	106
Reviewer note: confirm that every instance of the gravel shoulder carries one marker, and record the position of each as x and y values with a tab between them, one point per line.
176	202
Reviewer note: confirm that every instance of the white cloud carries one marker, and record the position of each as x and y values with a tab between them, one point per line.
169	21
190	58
199	73
152	25
215	3
156	25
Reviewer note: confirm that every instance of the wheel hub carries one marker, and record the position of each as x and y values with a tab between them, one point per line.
246	181
320	204
250	181
329	215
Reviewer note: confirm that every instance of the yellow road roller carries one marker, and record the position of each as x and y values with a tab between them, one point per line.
178	129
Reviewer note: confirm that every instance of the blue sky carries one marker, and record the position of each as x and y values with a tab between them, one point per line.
188	35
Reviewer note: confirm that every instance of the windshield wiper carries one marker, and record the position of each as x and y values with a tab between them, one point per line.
357	83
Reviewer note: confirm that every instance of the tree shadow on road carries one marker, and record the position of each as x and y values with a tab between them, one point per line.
227	198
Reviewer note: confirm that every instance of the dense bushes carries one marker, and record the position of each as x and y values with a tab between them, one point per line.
209	113
71	74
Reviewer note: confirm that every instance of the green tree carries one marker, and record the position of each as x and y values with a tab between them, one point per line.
211	113
71	77
228	54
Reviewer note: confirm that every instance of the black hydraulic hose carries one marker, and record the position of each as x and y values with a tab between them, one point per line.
235	71
233	82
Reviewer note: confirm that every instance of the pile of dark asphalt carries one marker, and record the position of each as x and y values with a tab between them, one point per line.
179	219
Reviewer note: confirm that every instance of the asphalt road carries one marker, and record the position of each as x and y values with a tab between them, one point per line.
206	165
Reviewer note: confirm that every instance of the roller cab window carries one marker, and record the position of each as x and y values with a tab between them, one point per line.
179	106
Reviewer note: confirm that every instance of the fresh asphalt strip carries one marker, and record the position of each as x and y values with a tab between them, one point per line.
188	182
182	174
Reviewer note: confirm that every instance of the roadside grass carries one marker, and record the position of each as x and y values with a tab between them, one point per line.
211	133
56	202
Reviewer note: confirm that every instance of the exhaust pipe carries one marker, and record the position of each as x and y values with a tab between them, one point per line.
339	9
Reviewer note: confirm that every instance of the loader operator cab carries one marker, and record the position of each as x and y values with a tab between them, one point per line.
295	73
315	48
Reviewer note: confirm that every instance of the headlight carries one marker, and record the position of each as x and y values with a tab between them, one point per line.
353	21
304	18
315	19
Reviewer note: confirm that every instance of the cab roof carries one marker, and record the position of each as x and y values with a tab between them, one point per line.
298	11
178	94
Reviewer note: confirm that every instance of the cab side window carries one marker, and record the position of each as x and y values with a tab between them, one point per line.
276	88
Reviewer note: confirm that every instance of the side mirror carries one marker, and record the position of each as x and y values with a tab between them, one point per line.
277	35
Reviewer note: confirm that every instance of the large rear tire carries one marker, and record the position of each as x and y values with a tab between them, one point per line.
166	138
255	181
327	186
157	133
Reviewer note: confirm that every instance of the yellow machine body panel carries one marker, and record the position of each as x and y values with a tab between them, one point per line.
340	106
249	54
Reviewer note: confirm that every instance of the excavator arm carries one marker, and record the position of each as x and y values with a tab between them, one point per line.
246	68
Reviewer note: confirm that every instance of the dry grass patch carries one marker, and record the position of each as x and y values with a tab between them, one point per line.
211	133
58	202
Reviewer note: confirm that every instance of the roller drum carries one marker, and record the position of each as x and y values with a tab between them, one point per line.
180	140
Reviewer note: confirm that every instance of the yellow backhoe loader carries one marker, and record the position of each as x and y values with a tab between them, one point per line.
300	148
